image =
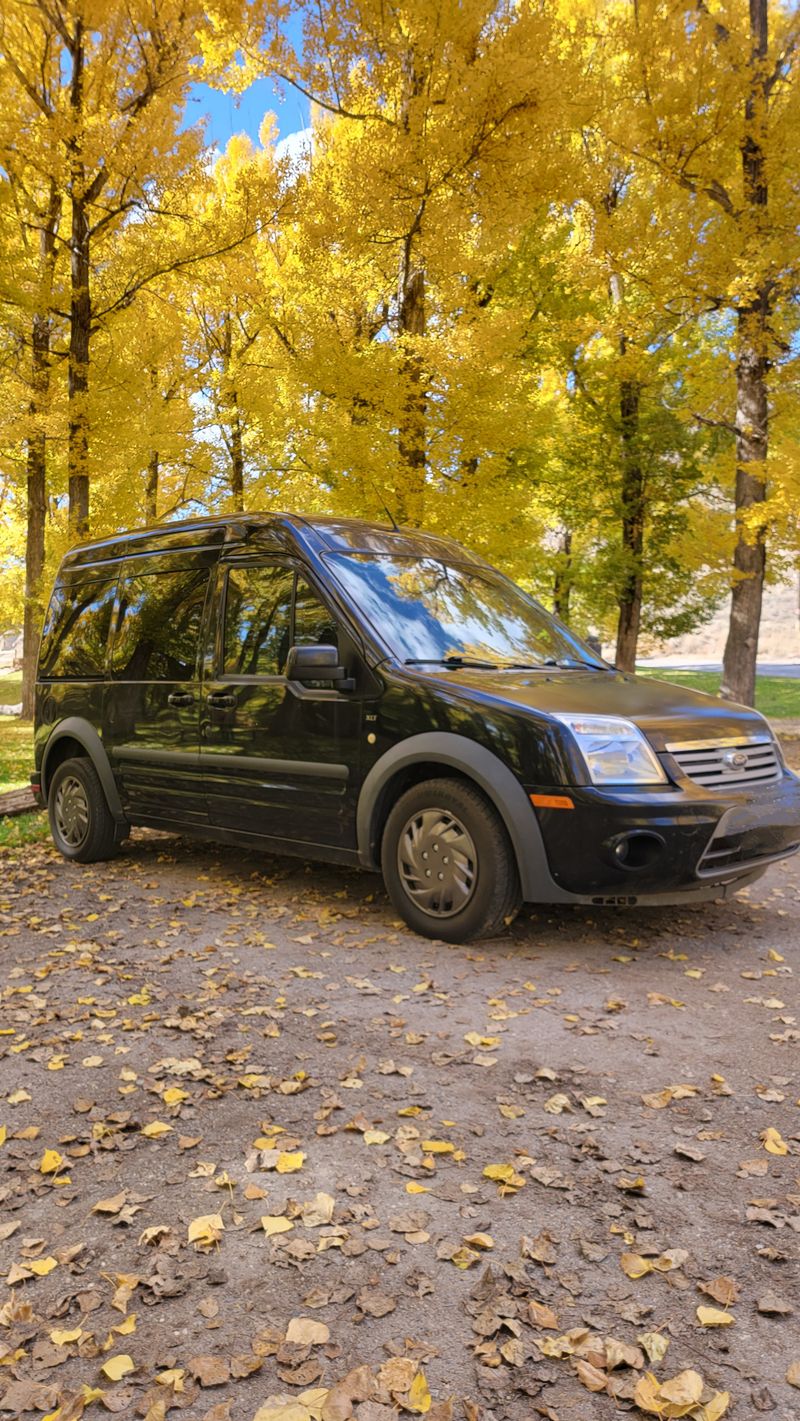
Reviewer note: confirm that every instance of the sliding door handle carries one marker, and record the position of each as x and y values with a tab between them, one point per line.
180	698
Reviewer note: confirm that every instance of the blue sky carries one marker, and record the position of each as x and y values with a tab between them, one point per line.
242	113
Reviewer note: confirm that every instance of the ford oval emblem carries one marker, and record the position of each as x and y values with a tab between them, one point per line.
736	759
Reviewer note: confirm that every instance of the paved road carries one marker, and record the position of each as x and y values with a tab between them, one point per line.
186	1026
790	669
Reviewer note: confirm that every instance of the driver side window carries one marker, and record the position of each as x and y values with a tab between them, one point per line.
269	608
258	615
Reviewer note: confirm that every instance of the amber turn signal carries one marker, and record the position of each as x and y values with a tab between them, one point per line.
551	801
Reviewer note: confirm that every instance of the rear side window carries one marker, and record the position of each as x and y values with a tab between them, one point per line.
76	631
158	626
258	620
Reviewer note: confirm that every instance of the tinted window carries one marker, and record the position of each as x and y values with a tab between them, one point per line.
314	625
158	626
258	611
76	630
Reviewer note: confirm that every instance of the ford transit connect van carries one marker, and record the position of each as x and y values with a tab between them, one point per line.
380	697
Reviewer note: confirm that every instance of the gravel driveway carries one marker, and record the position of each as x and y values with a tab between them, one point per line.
268	1153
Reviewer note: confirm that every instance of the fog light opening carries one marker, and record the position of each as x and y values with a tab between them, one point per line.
636	850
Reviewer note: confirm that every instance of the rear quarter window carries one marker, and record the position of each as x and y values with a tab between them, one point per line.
76	628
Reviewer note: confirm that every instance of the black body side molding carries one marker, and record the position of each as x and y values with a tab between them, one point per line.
76	728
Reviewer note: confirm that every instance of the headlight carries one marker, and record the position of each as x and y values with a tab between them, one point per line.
615	751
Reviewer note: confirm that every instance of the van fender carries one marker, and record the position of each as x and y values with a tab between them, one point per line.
492	776
76	728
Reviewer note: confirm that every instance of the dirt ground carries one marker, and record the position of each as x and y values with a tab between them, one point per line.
190	1033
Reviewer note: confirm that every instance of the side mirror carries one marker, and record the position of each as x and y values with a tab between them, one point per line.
316	663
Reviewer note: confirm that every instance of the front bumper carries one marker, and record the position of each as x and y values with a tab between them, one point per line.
688	841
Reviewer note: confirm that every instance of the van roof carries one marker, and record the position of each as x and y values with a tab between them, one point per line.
321	534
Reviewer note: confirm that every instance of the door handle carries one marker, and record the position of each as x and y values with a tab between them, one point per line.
221	700
180	698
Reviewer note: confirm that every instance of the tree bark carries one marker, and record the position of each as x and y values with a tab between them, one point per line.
752	406
36	458
633	516
80	326
632	490
412	435
151	488
562	581
231	415
237	453
36	508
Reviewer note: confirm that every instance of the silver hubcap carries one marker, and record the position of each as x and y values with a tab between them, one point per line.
71	812
437	862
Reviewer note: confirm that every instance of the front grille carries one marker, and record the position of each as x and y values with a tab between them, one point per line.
728	764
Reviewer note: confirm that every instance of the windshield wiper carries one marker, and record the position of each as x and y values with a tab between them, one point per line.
570	663
454	661
561	663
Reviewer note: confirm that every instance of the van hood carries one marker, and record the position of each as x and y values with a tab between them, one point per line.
667	713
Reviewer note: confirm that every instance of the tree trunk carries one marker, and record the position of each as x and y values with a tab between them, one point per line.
34	536
412	434
562	581
36	459
237	454
80	325
151	488
750	553
752	412
231	416
633	514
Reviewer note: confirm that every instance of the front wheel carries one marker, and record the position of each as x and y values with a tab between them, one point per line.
81	822
448	866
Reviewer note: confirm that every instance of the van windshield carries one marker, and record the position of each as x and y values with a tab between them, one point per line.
433	612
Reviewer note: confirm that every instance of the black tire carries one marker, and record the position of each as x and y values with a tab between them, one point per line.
81	822
476	890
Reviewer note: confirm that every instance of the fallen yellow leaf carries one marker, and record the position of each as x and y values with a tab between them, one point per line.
118	1367
714	1317
774	1142
289	1162
205	1230
156	1129
480	1240
275	1224
61	1337
173	1377
42	1266
419	1397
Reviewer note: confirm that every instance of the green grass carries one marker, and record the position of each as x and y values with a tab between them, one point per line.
24	829
16	763
10	688
16	752
777	697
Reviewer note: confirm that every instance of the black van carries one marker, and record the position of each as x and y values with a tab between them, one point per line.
376	696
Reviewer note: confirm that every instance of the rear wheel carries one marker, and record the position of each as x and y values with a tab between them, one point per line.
81	822
448	866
